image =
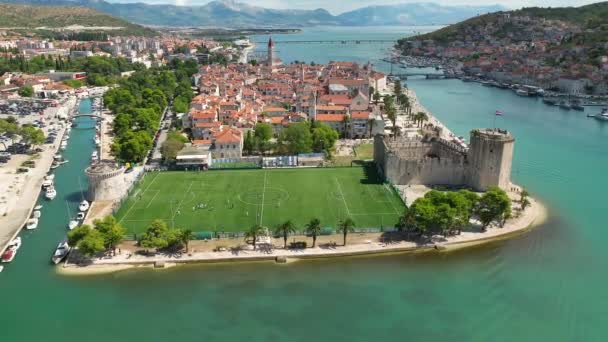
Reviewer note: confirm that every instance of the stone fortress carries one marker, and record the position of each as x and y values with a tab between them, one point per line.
485	163
108	181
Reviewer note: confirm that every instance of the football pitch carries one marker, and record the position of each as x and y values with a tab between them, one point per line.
234	200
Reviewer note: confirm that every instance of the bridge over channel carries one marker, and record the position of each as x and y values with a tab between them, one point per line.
347	41
94	116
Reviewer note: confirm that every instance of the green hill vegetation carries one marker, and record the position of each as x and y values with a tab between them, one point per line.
592	17
57	17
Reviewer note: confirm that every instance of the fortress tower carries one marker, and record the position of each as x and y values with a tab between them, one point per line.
270	60
435	161
490	157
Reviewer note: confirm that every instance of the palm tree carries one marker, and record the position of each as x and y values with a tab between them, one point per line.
346	226
253	233
284	230
420	117
523	198
314	228
185	236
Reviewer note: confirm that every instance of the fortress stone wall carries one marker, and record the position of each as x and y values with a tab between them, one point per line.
433	161
108	181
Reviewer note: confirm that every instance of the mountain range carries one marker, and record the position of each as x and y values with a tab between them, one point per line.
230	13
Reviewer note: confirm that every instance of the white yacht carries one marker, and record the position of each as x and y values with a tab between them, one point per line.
80	216
50	193
84	206
73	224
61	252
603	115
15	243
47	183
36	214
31	224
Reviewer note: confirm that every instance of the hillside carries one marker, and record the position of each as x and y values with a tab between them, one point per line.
585	17
230	13
53	17
556	48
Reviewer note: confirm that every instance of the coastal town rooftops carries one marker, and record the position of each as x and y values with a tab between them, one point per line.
330	117
359	115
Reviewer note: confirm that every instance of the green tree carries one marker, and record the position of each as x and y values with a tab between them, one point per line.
284	229
377	97
91	244
323	138
493	205
185	236
31	135
248	143
346	226
170	148
263	131
156	235
180	105
523	199
397	89
314	229
26	91
296	138
113	233
77	234
253	233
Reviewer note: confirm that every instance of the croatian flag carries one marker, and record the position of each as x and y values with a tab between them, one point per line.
499	113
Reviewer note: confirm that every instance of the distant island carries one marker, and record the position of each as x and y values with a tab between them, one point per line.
228	13
560	49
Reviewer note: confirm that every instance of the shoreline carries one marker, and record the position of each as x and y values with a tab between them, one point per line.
13	223
533	216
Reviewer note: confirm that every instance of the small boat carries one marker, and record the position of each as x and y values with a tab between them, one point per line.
63	249
603	115
47	183
1	268
38	207
36	214
80	216
50	193
15	243
73	224
58	157
84	206
9	254
31	224
521	92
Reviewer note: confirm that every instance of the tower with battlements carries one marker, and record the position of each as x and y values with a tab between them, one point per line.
489	158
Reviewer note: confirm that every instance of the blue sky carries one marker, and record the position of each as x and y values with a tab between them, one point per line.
340	6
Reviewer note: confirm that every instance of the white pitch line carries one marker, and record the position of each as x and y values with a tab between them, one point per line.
179	205
342	195
386	189
137	200
263	197
152	200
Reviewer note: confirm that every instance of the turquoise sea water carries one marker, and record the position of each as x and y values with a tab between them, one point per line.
547	285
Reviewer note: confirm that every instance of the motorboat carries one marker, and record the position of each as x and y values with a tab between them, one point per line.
31	224
84	206
62	250
58	157
603	115
47	183
73	224
50	193
38	207
80	216
522	92
15	243
9	254
36	214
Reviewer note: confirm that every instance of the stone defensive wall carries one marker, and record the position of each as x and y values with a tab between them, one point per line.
108	181
420	161
434	161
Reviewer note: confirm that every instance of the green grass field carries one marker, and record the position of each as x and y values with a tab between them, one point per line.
234	200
